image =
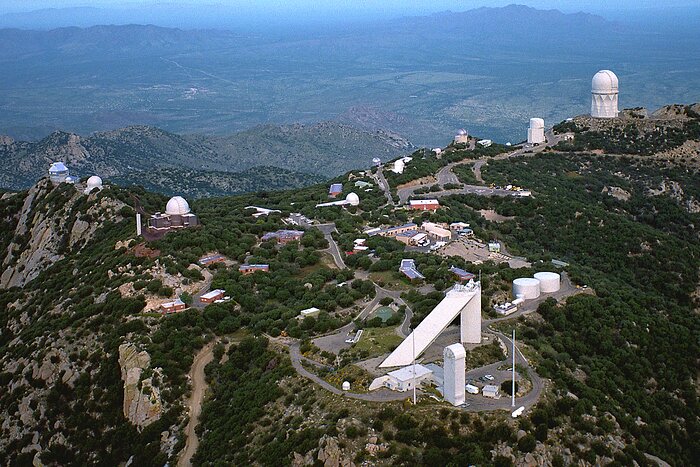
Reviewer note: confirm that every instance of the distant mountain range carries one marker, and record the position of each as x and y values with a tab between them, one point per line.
290	156
487	70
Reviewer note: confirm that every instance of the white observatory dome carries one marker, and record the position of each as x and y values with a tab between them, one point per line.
536	123
58	168
352	199
177	206
399	165
462	131
549	281
604	95
604	82
94	182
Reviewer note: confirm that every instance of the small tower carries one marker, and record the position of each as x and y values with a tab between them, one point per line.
535	134
604	90
454	365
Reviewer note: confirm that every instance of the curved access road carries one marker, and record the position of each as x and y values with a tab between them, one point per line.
327	230
445	174
381	395
194	404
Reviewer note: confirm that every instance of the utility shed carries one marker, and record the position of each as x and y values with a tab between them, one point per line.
403	379
492	391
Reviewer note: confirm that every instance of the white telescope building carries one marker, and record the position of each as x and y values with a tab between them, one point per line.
352	199
604	90
462	137
463	301
454	375
535	134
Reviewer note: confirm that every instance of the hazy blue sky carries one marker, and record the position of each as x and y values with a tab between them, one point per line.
410	6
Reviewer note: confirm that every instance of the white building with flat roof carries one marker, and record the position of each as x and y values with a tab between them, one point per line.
403	379
436	232
492	391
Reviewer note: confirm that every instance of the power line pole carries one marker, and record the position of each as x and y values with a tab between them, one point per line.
513	388
413	341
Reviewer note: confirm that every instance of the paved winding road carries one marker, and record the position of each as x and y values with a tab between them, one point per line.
333	249
445	175
380	395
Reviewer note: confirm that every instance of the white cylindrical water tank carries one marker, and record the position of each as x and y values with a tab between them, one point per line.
549	281
526	287
346	385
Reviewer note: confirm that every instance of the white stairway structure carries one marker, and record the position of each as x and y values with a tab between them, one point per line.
462	300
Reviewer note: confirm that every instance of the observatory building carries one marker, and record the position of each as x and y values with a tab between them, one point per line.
462	137
352	199
58	173
93	182
399	166
604	90
177	215
453	383
463	301
535	134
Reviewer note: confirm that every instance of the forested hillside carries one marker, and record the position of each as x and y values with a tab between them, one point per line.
96	375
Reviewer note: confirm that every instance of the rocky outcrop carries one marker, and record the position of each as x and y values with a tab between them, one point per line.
46	228
331	455
142	403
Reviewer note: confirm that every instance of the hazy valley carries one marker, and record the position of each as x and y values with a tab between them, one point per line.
487	70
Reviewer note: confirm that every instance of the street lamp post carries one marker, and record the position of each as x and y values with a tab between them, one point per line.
513	369
413	342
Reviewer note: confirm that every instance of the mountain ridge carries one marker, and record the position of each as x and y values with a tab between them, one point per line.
322	150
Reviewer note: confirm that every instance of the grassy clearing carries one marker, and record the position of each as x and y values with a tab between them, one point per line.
377	341
388	280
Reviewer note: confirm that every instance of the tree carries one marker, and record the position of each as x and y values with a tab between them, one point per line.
527	443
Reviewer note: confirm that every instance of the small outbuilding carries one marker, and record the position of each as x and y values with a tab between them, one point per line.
173	307
491	391
211	297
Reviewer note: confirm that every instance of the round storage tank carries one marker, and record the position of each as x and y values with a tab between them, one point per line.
526	287
346	385
549	281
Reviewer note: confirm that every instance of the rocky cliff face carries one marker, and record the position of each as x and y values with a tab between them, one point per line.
142	403
52	221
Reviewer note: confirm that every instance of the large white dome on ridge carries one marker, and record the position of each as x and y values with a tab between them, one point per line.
604	82
94	182
177	206
353	199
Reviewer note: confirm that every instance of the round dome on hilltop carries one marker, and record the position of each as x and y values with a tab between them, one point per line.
462	132
177	206
352	199
94	182
58	168
604	82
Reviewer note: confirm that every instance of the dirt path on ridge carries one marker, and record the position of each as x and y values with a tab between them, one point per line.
194	404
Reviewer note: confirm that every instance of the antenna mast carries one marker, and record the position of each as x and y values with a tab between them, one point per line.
513	388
